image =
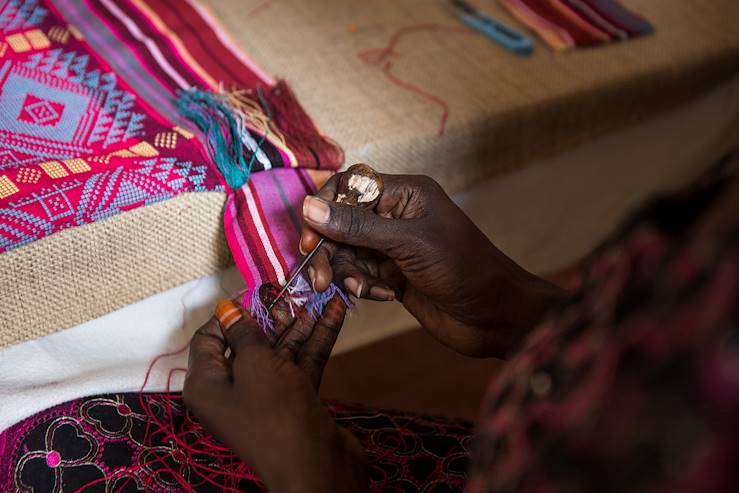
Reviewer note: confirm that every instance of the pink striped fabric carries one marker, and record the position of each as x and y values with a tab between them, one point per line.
262	221
567	24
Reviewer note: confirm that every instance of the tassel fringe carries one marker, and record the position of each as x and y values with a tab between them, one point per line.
310	147
237	122
222	127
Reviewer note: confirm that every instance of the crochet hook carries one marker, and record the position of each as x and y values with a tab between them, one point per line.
361	186
504	35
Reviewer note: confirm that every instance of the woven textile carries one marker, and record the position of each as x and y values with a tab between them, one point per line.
108	443
90	127
567	24
262	223
77	143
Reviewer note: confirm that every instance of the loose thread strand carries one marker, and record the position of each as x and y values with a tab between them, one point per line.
381	56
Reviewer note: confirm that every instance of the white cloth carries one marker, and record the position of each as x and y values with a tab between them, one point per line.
108	354
112	353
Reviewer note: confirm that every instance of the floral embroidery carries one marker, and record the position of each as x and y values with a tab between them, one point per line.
114	418
68	451
101	444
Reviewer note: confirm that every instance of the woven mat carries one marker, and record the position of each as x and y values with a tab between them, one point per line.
504	111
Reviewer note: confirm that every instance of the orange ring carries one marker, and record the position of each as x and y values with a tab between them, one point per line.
227	313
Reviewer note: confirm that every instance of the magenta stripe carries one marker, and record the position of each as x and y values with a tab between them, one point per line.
237	244
266	221
279	212
279	193
255	248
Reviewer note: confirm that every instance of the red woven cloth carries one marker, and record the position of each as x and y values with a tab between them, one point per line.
89	122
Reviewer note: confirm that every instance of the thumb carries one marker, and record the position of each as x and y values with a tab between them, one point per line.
352	225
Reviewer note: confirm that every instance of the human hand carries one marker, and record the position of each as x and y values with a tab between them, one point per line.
417	246
262	401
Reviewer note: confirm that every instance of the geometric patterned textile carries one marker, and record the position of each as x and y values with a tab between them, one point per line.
76	142
89	125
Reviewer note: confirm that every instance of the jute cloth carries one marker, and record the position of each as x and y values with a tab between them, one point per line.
504	111
85	272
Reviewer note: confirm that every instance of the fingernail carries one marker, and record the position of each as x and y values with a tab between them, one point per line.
316	210
227	314
353	286
312	276
381	293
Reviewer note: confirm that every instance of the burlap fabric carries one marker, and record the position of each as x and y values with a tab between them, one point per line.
85	272
504	111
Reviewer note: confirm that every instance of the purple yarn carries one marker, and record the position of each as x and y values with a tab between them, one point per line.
318	301
301	295
259	312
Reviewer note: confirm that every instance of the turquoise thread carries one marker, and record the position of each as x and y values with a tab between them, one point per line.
215	118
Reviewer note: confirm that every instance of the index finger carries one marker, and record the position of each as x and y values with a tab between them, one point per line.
328	190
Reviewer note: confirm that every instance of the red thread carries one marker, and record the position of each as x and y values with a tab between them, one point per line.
191	440
186	442
376	56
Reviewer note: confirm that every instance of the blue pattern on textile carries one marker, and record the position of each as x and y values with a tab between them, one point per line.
21	14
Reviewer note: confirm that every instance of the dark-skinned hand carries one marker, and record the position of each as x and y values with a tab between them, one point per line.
262	400
417	246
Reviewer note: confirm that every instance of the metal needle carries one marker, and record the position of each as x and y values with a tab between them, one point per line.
295	274
360	185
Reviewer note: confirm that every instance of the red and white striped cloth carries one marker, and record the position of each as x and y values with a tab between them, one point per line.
567	24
